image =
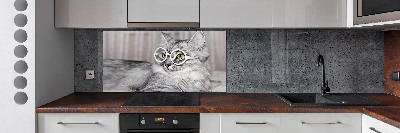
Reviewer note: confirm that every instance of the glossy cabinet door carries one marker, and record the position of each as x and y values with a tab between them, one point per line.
78	123
310	13
250	123
321	123
209	122
90	13
372	125
163	11
236	13
273	13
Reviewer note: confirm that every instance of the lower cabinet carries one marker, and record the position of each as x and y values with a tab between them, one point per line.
209	122
321	123
281	123
78	123
372	125
227	123
250	123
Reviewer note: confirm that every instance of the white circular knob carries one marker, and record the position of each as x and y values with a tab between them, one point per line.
175	121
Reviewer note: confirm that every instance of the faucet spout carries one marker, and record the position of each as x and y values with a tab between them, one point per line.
324	84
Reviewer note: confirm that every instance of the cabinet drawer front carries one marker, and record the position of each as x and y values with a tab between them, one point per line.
309	13
330	122
236	13
250	123
163	10
372	125
78	123
90	13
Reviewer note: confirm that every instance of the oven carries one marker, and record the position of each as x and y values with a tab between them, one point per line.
374	11
159	123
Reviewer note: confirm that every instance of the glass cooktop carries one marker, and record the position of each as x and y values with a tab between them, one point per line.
163	99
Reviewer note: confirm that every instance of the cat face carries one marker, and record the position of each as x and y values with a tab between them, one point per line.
176	55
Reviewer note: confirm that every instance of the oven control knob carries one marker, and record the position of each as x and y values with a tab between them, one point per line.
143	122
175	122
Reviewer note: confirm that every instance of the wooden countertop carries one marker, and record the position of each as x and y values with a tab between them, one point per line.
111	102
387	115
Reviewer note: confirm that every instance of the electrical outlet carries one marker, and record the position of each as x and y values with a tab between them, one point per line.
89	74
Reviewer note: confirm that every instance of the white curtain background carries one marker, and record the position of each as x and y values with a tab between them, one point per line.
140	45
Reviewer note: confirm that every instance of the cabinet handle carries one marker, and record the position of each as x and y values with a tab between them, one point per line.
77	123
373	129
322	123
251	122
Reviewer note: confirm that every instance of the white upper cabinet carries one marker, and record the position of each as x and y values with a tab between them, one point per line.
90	13
236	13
163	11
273	13
309	13
203	13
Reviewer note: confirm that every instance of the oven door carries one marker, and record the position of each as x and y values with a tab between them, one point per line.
164	131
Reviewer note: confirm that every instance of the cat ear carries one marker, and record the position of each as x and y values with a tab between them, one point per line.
168	38
198	39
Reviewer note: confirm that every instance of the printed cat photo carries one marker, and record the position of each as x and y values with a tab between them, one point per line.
143	62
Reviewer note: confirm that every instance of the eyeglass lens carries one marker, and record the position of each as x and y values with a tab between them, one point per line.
177	56
160	55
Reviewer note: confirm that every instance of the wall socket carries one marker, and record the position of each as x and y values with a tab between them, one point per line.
396	75
89	74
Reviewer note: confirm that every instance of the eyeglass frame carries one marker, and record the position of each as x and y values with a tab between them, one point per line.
170	54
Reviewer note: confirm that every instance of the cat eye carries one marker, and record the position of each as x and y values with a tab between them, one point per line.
164	55
178	57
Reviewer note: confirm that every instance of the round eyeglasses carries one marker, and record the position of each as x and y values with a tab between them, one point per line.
177	56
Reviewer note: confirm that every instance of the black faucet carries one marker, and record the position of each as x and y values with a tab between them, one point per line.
324	85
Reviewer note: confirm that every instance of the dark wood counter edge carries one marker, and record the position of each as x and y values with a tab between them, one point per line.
121	110
197	110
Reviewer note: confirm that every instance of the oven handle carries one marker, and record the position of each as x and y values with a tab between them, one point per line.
163	131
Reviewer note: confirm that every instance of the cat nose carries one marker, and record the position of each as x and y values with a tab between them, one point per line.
167	65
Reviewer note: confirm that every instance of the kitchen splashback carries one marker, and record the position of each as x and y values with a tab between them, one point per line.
265	60
168	61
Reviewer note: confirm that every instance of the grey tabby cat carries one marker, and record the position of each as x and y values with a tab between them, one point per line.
179	66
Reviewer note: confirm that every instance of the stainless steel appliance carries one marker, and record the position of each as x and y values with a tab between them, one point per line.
374	11
159	123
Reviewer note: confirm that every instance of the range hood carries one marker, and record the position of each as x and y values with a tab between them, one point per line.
163	13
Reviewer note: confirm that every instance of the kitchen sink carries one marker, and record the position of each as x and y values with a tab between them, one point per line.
317	99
